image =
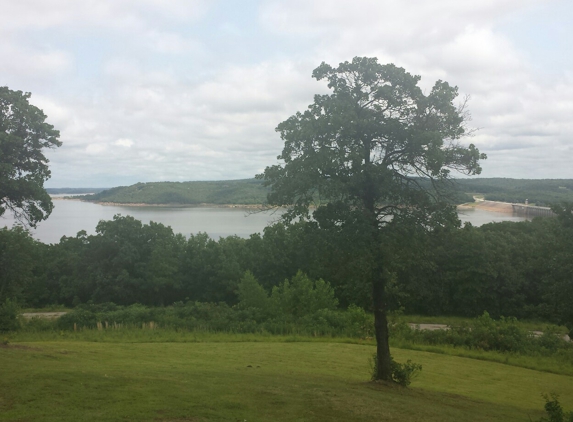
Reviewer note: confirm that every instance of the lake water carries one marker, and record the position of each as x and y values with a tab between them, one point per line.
70	217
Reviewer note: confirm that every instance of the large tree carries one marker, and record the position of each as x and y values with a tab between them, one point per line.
370	158
23	167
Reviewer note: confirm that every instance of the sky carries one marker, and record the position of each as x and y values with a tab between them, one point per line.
177	90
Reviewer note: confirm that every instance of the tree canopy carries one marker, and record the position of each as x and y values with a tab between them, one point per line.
373	154
24	133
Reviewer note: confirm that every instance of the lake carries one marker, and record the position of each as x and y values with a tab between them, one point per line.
70	217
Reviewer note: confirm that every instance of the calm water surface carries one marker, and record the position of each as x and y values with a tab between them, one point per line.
70	217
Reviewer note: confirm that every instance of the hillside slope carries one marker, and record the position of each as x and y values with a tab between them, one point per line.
543	192
241	192
252	192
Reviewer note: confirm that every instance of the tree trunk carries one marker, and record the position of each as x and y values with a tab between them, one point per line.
383	359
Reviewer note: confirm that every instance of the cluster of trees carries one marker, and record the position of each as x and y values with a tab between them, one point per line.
510	269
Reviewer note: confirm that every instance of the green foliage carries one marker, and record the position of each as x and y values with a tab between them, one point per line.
303	296
253	296
402	373
517	269
246	317
23	166
223	192
19	257
9	312
486	334
554	410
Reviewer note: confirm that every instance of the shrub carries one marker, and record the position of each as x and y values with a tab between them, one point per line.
303	296
402	373
9	311
503	335
555	411
253	296
361	323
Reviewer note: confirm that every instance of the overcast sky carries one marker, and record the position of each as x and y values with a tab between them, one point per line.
175	90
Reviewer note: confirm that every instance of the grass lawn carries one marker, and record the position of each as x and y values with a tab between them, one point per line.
257	381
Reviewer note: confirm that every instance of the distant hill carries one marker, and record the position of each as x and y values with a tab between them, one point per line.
73	191
224	192
542	192
251	192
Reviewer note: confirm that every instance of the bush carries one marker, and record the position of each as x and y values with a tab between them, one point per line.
485	333
303	296
9	312
402	373
253	296
555	411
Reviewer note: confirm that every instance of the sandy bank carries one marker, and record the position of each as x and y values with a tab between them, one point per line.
204	205
488	206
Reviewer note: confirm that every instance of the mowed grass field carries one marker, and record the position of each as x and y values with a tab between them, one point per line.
257	381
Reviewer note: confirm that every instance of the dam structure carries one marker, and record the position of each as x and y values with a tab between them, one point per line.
532	210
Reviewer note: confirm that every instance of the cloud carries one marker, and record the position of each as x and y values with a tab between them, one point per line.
123	142
117	14
150	90
515	107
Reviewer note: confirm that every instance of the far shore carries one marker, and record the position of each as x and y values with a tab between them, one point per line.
493	206
202	205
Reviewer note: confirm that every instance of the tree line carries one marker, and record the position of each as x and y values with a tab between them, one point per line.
520	269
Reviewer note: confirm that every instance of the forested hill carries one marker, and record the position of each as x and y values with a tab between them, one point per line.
543	192
224	192
252	192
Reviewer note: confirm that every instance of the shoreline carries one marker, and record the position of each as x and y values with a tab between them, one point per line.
492	206
141	204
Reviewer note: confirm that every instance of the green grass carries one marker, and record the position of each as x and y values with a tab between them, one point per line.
553	364
256	378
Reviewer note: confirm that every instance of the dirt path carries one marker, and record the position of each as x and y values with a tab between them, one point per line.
45	315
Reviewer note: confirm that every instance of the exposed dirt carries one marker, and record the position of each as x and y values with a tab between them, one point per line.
44	315
489	206
429	327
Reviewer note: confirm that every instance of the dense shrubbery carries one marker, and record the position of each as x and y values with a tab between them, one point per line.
485	333
301	306
402	373
217	317
9	312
